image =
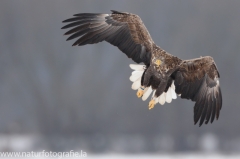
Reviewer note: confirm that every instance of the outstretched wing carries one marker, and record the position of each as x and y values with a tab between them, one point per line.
198	80
121	29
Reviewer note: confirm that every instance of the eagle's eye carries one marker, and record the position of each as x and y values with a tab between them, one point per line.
158	62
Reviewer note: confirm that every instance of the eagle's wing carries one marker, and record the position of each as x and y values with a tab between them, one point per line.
121	29
198	80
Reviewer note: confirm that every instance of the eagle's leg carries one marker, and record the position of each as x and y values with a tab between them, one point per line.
161	88
151	104
140	91
144	83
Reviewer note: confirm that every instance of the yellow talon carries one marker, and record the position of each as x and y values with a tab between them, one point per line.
151	104
139	93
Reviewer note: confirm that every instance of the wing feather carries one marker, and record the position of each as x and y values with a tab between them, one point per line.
90	26
81	22
85	29
98	38
210	106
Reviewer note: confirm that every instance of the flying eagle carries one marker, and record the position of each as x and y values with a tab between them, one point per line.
163	75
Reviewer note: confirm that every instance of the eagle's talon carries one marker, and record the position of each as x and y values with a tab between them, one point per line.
139	93
151	104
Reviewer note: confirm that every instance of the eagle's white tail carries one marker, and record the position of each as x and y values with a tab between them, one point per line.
136	79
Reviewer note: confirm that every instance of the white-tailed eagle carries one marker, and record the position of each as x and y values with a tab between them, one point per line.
162	75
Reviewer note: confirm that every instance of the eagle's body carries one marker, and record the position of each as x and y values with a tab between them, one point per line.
162	73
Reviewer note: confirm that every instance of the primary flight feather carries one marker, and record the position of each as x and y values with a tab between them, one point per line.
162	75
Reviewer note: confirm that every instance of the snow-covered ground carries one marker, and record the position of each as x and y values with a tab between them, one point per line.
153	156
166	156
23	145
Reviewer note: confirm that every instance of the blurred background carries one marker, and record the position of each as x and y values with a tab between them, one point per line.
57	97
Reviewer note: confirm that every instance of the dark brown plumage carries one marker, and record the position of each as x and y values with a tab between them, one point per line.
195	79
124	30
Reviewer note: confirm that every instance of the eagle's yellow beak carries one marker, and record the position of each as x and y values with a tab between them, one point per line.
158	62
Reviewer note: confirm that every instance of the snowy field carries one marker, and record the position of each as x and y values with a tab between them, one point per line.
167	156
20	144
152	156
